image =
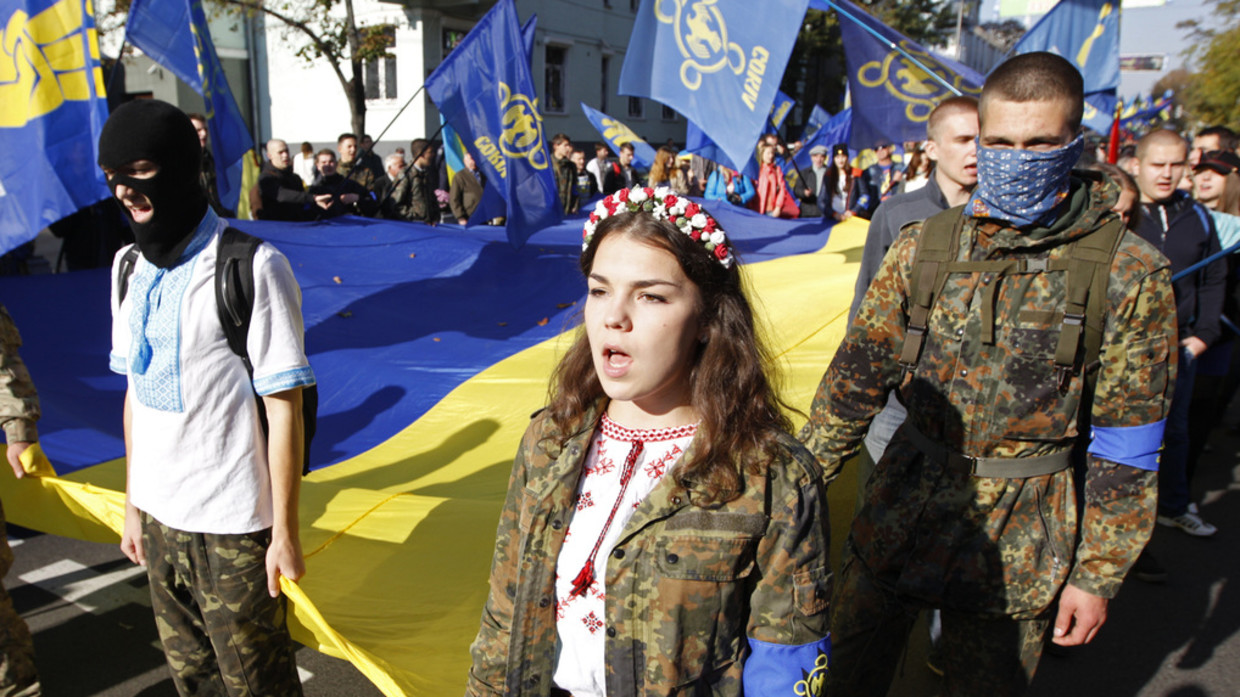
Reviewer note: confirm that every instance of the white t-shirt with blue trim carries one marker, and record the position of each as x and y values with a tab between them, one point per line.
198	459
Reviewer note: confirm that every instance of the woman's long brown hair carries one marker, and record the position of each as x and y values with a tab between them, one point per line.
741	416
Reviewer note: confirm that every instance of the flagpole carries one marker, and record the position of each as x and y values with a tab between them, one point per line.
938	78
117	65
386	128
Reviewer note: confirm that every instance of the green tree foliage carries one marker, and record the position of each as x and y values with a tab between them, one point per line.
1212	95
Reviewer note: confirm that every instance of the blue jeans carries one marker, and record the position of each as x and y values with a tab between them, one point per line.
1173	467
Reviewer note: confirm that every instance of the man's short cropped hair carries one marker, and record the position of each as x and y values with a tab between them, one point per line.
325	151
392	159
1227	139
1160	136
195	116
628	146
949	107
345	136
600	146
417	146
1036	77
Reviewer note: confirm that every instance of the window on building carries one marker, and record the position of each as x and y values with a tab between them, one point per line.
637	108
669	114
451	39
606	69
379	75
553	85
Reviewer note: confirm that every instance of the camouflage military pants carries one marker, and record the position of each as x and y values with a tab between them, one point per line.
18	677
981	656
221	631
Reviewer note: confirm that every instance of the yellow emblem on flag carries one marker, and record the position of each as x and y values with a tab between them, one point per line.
907	82
702	37
522	138
43	62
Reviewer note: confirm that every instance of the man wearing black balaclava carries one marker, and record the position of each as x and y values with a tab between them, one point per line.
211	503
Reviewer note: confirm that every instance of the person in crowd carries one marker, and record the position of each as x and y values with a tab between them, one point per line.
729	185
916	170
839	183
583	181
774	198
1182	230
367	156
1216	185
19	410
348	197
662	170
565	171
1212	139
700	170
211	496
623	175
879	180
810	189
972	508
367	173
283	195
303	164
683	181
951	132
414	199
208	174
393	165
600	165
660	525
466	191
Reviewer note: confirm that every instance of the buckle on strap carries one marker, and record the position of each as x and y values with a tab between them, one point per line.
1073	319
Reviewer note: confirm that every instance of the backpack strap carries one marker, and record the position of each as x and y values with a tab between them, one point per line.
125	271
1089	267
938	244
234	289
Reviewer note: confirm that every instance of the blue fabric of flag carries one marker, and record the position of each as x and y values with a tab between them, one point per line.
777	669
892	96
484	90
1099	111
1086	32
52	109
780	108
710	61
615	133
174	34
527	37
1135	446
817	117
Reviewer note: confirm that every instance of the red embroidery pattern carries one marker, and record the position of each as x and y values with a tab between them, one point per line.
615	431
584	501
592	622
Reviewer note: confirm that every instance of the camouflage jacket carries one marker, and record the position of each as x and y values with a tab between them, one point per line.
1004	546
685	585
19	403
413	199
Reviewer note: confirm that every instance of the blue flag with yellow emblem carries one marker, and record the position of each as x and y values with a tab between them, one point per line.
52	109
616	134
889	76
709	60
1099	111
174	34
780	108
485	92
1086	32
817	117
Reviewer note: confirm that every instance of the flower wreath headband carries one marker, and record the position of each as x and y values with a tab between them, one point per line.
686	215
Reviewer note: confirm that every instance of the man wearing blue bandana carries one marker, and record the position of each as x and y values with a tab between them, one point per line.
211	498
1003	326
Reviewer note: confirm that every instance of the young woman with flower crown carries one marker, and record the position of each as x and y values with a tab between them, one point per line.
662	533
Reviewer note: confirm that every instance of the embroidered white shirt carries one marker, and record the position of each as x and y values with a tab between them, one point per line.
580	623
198	458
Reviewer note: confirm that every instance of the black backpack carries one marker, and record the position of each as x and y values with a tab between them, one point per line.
234	304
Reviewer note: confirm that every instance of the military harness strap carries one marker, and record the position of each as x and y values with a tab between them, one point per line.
1007	467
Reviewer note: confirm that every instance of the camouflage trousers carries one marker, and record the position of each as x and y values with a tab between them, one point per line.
222	633
18	677
981	655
